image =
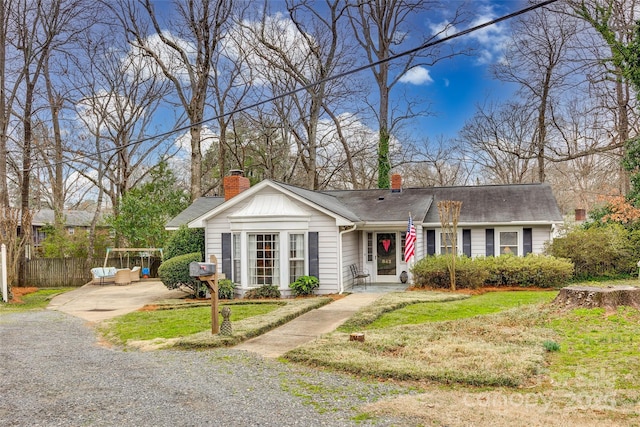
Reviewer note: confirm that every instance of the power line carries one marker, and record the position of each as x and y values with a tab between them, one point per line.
321	81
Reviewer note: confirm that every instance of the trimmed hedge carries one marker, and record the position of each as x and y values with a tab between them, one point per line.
432	271
174	272
530	271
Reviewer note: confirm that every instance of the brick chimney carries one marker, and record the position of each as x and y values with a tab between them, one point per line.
396	183
581	215
235	183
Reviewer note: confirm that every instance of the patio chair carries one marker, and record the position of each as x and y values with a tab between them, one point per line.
358	275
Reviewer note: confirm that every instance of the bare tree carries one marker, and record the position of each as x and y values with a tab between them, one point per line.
182	48
439	163
499	140
614	21
449	211
381	27
118	99
8	92
536	59
302	52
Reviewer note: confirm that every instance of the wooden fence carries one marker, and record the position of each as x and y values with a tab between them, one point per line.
63	272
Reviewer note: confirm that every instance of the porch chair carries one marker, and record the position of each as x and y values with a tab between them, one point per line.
359	275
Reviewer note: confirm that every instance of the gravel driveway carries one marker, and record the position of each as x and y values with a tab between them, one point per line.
53	373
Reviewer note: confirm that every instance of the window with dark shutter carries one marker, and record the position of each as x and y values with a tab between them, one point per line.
314	262
527	241
226	254
489	242
431	242
466	242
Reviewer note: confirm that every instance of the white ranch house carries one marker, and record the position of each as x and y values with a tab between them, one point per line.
273	233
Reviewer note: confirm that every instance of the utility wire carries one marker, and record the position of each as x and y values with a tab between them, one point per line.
326	79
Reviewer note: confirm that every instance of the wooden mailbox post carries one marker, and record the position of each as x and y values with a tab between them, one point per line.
211	281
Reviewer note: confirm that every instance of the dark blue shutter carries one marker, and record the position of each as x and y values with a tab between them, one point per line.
489	242
226	255
466	242
431	242
314	263
527	241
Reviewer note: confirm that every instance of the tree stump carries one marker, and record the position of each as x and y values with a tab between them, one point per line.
356	336
590	297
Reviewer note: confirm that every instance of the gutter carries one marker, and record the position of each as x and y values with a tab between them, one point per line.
340	278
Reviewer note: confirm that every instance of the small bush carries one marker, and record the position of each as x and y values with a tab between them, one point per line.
433	272
184	241
175	272
264	291
551	346
226	289
304	285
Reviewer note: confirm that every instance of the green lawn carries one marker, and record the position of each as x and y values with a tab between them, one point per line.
33	301
491	302
178	322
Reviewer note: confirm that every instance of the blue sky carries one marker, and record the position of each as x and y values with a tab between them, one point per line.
453	87
459	84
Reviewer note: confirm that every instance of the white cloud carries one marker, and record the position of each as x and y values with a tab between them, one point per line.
207	139
263	66
105	110
416	76
137	62
490	41
443	29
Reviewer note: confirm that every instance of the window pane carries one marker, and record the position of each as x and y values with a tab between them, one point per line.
446	243
296	256
264	264
509	242
236	258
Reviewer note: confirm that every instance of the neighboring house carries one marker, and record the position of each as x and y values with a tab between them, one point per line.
273	233
74	221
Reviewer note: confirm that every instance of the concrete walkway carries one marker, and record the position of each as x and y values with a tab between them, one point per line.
95	303
100	302
307	327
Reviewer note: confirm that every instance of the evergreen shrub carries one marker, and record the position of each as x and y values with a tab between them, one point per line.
603	251
174	272
264	291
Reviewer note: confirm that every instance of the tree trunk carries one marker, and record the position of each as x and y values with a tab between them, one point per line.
591	297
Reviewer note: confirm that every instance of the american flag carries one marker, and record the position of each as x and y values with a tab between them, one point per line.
410	241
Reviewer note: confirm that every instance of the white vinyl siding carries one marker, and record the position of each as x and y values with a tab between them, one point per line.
318	222
540	235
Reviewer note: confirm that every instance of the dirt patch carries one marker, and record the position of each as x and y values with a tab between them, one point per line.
20	292
501	408
150	307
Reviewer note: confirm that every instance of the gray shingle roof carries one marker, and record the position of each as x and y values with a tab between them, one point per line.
199	207
480	204
72	218
499	203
